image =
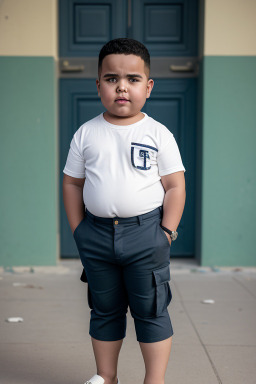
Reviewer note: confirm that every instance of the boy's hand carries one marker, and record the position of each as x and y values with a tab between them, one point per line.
73	200
168	237
174	200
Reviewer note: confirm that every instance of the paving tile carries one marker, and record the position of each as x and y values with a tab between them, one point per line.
224	323
44	320
235	364
184	332
41	287
248	281
197	287
189	365
43	363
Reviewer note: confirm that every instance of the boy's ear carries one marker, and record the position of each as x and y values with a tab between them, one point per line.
150	86
98	86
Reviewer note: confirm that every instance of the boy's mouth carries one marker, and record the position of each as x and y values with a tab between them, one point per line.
122	100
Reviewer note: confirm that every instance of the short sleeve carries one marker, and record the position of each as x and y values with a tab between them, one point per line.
169	158
75	164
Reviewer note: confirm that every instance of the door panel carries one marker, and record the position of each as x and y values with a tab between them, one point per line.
85	26
166	27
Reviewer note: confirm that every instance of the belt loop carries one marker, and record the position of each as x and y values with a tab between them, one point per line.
139	220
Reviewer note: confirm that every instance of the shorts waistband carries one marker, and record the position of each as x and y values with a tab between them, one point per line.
126	220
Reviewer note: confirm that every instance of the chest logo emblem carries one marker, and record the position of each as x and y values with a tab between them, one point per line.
140	155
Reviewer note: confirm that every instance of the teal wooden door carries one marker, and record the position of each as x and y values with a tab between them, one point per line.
169	30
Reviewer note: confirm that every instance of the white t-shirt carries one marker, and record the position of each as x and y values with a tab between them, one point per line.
122	165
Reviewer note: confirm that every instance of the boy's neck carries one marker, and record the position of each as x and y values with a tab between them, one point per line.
126	120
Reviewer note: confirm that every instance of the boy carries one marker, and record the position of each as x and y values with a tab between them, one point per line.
126	169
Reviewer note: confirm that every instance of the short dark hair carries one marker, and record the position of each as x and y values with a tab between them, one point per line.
124	46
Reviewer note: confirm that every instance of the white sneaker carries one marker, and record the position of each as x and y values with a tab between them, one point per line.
96	379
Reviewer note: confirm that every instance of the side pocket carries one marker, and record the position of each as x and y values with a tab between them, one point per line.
75	231
163	290
163	235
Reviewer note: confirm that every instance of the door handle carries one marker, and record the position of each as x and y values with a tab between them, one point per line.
71	68
182	68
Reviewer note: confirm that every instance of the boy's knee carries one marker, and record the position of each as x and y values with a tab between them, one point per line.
149	330
108	326
108	309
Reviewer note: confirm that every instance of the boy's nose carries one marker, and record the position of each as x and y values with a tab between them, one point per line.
121	88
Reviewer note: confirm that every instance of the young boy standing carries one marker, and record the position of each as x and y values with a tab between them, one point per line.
124	195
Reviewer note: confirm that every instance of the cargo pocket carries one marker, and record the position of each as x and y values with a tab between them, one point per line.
163	290
84	279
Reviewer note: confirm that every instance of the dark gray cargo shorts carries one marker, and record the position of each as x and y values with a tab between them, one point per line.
126	264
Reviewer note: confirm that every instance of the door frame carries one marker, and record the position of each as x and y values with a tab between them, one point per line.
199	130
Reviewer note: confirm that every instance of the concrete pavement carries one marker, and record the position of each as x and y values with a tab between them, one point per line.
212	343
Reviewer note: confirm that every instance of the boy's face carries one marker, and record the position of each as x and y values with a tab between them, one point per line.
123	87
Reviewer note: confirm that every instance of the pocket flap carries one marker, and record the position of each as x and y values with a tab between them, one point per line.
162	275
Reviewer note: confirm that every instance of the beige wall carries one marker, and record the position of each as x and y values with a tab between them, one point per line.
28	28
230	27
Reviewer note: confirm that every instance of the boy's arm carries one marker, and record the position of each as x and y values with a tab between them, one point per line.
174	200
73	200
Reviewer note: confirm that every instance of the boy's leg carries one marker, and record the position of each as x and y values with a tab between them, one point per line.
156	356
106	293
106	356
147	277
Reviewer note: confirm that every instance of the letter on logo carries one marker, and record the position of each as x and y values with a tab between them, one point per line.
140	155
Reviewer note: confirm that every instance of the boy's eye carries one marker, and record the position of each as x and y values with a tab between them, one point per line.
111	80
133	80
